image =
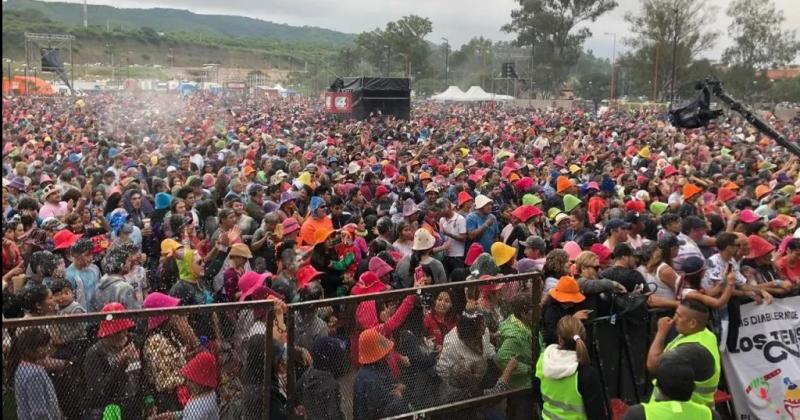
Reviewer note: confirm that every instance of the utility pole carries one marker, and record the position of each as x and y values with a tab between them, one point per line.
613	67
446	61
655	76
674	54
85	19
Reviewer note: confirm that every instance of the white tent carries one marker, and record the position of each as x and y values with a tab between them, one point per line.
503	97
476	93
452	93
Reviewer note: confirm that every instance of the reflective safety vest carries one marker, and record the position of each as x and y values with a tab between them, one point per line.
703	390
672	410
562	400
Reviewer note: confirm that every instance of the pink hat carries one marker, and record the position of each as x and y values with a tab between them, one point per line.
290	225
669	171
158	300
559	161
748	216
472	253
602	252
380	267
250	281
208	181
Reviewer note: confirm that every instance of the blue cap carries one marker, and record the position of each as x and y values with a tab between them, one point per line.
316	202
163	200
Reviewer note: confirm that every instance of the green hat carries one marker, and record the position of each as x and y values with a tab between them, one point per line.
788	190
551	214
220	144
261	177
658	208
531	199
768	166
725	151
570	202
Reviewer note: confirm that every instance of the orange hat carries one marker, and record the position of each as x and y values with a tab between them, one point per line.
248	170
731	186
567	291
690	190
424	176
762	190
373	346
563	183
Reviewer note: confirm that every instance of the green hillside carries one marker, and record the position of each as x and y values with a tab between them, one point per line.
173	20
145	46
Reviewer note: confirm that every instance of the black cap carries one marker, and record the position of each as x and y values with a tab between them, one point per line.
669	240
692	265
622	250
635	217
615	224
535	242
693	222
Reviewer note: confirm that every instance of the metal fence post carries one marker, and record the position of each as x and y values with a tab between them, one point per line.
291	380
267	385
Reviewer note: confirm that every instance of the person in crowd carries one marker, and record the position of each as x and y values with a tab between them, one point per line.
567	380
516	336
112	286
38	301
675	382
482	225
690	321
556	266
34	392
468	342
112	369
375	394
659	272
421	256
239	254
562	300
788	264
587	265
442	318
82	274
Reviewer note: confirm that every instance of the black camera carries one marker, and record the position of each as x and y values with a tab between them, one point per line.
697	113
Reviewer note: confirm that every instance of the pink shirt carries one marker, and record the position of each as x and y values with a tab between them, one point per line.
51	210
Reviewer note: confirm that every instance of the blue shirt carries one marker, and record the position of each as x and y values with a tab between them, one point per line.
487	238
84	282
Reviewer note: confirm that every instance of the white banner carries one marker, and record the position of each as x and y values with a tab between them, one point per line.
763	370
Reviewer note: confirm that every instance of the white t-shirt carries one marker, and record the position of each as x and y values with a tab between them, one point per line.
456	225
715	270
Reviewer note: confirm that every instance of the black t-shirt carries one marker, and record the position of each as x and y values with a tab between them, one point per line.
627	277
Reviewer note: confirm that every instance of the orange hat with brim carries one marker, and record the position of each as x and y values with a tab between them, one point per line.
690	190
373	346
567	291
563	183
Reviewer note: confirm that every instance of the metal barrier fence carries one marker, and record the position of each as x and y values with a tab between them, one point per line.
336	371
143	364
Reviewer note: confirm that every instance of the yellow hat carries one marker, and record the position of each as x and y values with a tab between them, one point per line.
305	178
169	246
464	151
645	152
574	168
154	160
502	253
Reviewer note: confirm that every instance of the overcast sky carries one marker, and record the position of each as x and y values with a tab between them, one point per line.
457	20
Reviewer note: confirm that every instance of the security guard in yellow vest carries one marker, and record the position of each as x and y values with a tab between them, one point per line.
569	384
675	378
690	321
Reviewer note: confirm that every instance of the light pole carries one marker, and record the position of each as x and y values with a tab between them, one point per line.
613	66
446	60
388	59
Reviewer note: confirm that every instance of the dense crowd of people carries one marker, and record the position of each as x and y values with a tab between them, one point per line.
118	202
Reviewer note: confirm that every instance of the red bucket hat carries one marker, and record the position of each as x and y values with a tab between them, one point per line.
472	253
380	267
64	239
758	247
368	282
202	370
110	327
306	274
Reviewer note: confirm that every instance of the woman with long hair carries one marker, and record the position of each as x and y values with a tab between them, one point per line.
556	265
660	272
568	382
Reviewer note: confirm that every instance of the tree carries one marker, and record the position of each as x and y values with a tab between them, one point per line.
401	41
758	38
595	87
663	29
549	28
471	64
